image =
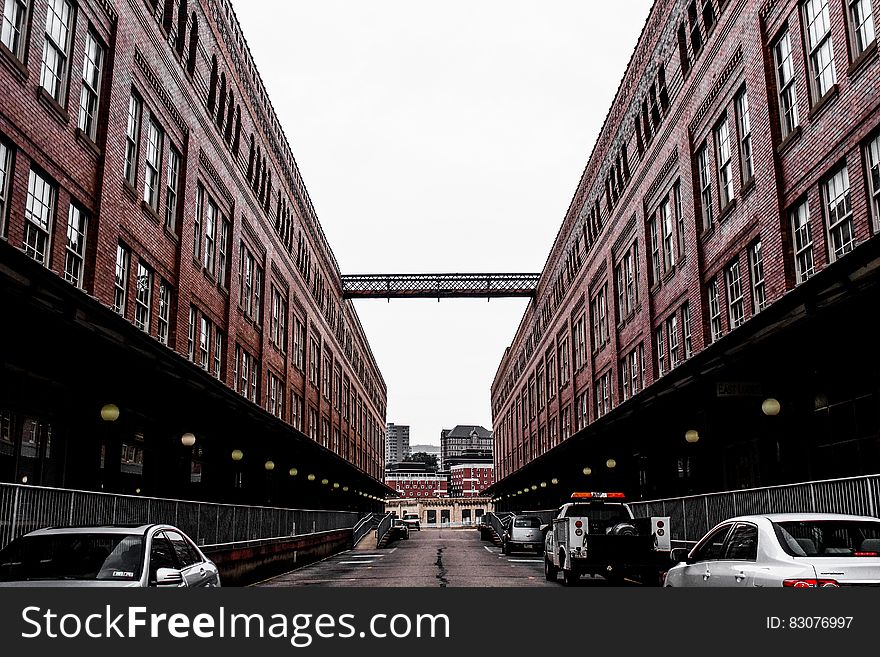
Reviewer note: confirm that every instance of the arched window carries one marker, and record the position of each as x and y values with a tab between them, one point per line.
168	15
221	111
212	94
181	28
193	44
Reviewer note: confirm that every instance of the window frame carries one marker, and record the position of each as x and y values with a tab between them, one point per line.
75	249
19	27
843	221
819	86
90	93
859	43
59	70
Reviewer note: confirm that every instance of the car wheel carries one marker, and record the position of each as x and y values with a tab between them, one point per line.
550	571
570	577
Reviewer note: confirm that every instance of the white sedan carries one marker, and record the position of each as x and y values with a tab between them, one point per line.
804	550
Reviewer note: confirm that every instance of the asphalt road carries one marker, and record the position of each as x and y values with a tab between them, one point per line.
429	558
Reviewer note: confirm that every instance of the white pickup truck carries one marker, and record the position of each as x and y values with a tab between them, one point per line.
596	533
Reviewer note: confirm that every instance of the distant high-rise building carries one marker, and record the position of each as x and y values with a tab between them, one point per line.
475	440
396	443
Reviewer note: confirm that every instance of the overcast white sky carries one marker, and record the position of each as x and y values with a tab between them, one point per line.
441	137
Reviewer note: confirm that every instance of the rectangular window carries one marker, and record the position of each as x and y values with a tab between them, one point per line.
861	25
667	222
164	311
788	108
5	167
337	388
715	329
223	252
872	157
672	337
155	138
563	362
251	284
327	377
39	214
59	19
172	190
91	87
838	209
191	334
539	382
296	406
205	354
275	396
656	271
802	236
624	379
120	294
686	325
143	298
705	186
735	303
218	353
209	225
679	220
314	363
723	153
744	124
278	328
132	138
756	266
580	343
299	344
603	395
14	26
822	73
77	224
661	352
599	314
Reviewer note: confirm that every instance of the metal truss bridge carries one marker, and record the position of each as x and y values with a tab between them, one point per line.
439	286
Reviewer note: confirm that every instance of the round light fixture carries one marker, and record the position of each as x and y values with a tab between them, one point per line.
324	482
534	487
311	477
611	463
543	484
293	472
335	485
24	479
771	407
237	455
588	471
110	413
554	481
269	465
188	440
692	436
345	489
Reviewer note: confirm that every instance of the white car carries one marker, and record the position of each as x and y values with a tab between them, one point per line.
804	550
109	556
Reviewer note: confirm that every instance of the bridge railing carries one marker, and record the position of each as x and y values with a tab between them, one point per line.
26	508
691	517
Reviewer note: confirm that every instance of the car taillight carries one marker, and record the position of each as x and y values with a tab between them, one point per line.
864	554
810	583
578	524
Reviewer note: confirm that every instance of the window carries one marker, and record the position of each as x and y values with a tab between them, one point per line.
250	282
861	25
580	343
191	334
223	252
715	329
314	363
327	377
599	314
77	223
679	219
337	387
563	362
14	25
218	353
872	156
91	87
120	300
667	222
132	138
672	336
164	311
661	352
205	343
551	375
299	344
143	297
59	20
744	124
722	152
803	242
756	266
278	328
841	231
173	186
742	545
274	396
788	109
735	305
603	395
209	225
155	137
711	548
296	411
821	59
5	168
705	186
694	22
656	271
246	375
39	214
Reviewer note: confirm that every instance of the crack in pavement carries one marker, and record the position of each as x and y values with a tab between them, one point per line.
441	575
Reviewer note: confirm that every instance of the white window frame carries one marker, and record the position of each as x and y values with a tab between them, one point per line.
206	333
123	264
756	270
132	138
14	29
90	94
672	338
704	171
716	330
143	301
153	164
75	252
785	83
872	164
656	260
218	352
60	17
39	218
191	333
861	25
660	345
744	125
687	328
164	317
667	222
802	238
838	214
172	189
5	177
724	162
736	308
820	48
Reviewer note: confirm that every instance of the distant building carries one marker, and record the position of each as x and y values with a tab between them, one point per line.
396	443
469	479
416	480
475	440
425	449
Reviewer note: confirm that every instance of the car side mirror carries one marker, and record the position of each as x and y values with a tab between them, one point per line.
168	577
680	555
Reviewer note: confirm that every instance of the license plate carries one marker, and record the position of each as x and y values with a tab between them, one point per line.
529	546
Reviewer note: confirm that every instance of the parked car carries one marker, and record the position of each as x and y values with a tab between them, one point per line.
523	534
111	556
412	521
399	529
812	550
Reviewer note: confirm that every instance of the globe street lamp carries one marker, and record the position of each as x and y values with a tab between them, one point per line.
188	440
110	413
692	437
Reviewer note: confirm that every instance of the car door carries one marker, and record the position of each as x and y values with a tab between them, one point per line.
196	572
161	556
738	567
699	570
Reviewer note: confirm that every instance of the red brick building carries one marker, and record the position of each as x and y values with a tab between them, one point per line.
719	252
413	485
470	479
141	161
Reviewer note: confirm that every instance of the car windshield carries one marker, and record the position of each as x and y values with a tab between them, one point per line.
597	512
528	522
81	557
829	538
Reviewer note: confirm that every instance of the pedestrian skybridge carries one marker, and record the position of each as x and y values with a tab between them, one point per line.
439	286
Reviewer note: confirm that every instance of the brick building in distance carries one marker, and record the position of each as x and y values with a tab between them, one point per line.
702	322
164	271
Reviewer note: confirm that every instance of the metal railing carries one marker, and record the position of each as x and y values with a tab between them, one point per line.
26	508
363	527
384	527
497	521
693	516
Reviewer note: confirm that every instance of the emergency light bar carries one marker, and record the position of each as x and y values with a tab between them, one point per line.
598	496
